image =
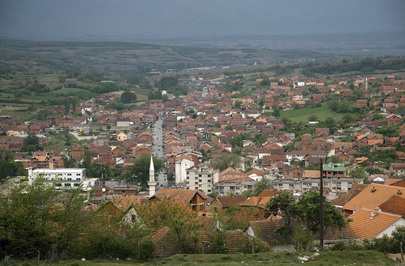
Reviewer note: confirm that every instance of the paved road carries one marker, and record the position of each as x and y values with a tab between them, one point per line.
157	150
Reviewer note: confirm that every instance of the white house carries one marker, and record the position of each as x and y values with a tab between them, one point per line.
182	164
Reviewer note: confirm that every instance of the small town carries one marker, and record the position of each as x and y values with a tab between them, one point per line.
202	132
221	160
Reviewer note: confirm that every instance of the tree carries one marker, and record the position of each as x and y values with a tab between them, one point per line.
67	105
31	143
307	212
312	118
140	170
128	97
359	172
284	204
226	160
276	111
36	223
259	139
177	216
261	185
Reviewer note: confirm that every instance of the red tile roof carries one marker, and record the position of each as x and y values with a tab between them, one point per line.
368	224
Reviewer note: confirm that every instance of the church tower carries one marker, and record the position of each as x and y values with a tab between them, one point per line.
152	183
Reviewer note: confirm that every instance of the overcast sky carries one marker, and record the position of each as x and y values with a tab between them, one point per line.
155	19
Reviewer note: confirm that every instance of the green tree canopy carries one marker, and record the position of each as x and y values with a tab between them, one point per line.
36	223
31	143
128	97
307	212
226	160
140	170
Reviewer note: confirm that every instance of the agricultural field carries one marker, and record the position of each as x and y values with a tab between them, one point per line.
302	114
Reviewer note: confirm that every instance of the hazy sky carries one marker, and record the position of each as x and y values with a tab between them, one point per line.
153	19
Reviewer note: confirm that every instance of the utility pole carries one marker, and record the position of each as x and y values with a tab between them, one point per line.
321	209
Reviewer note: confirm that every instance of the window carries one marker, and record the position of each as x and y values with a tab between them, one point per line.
78	174
133	218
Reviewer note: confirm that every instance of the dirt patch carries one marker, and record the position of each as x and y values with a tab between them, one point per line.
395	256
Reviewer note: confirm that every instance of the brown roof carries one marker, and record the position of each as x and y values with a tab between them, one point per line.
265	230
232	175
395	205
372	196
173	193
368	224
354	190
227	201
267	193
125	202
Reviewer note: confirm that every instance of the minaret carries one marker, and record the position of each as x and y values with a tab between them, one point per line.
152	183
366	84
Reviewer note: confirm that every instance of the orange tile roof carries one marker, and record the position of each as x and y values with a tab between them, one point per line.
311	174
364	226
372	196
391	181
255	171
354	190
255	202
395	205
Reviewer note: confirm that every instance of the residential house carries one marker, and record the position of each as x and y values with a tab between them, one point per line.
233	182
224	202
371	223
195	198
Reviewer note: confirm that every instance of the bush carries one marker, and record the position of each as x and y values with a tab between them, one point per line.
338	246
146	248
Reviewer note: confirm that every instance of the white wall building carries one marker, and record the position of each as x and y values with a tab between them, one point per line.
63	178
180	168
201	177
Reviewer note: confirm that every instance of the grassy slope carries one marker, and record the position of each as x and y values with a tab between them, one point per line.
302	114
366	257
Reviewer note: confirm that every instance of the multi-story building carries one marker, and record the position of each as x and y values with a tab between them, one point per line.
201	177
332	170
63	178
336	184
233	182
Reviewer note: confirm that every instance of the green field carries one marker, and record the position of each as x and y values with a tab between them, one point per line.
303	114
74	92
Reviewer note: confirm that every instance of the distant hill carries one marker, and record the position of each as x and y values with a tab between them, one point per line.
118	56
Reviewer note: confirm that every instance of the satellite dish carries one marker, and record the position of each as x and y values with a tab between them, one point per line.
103	189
